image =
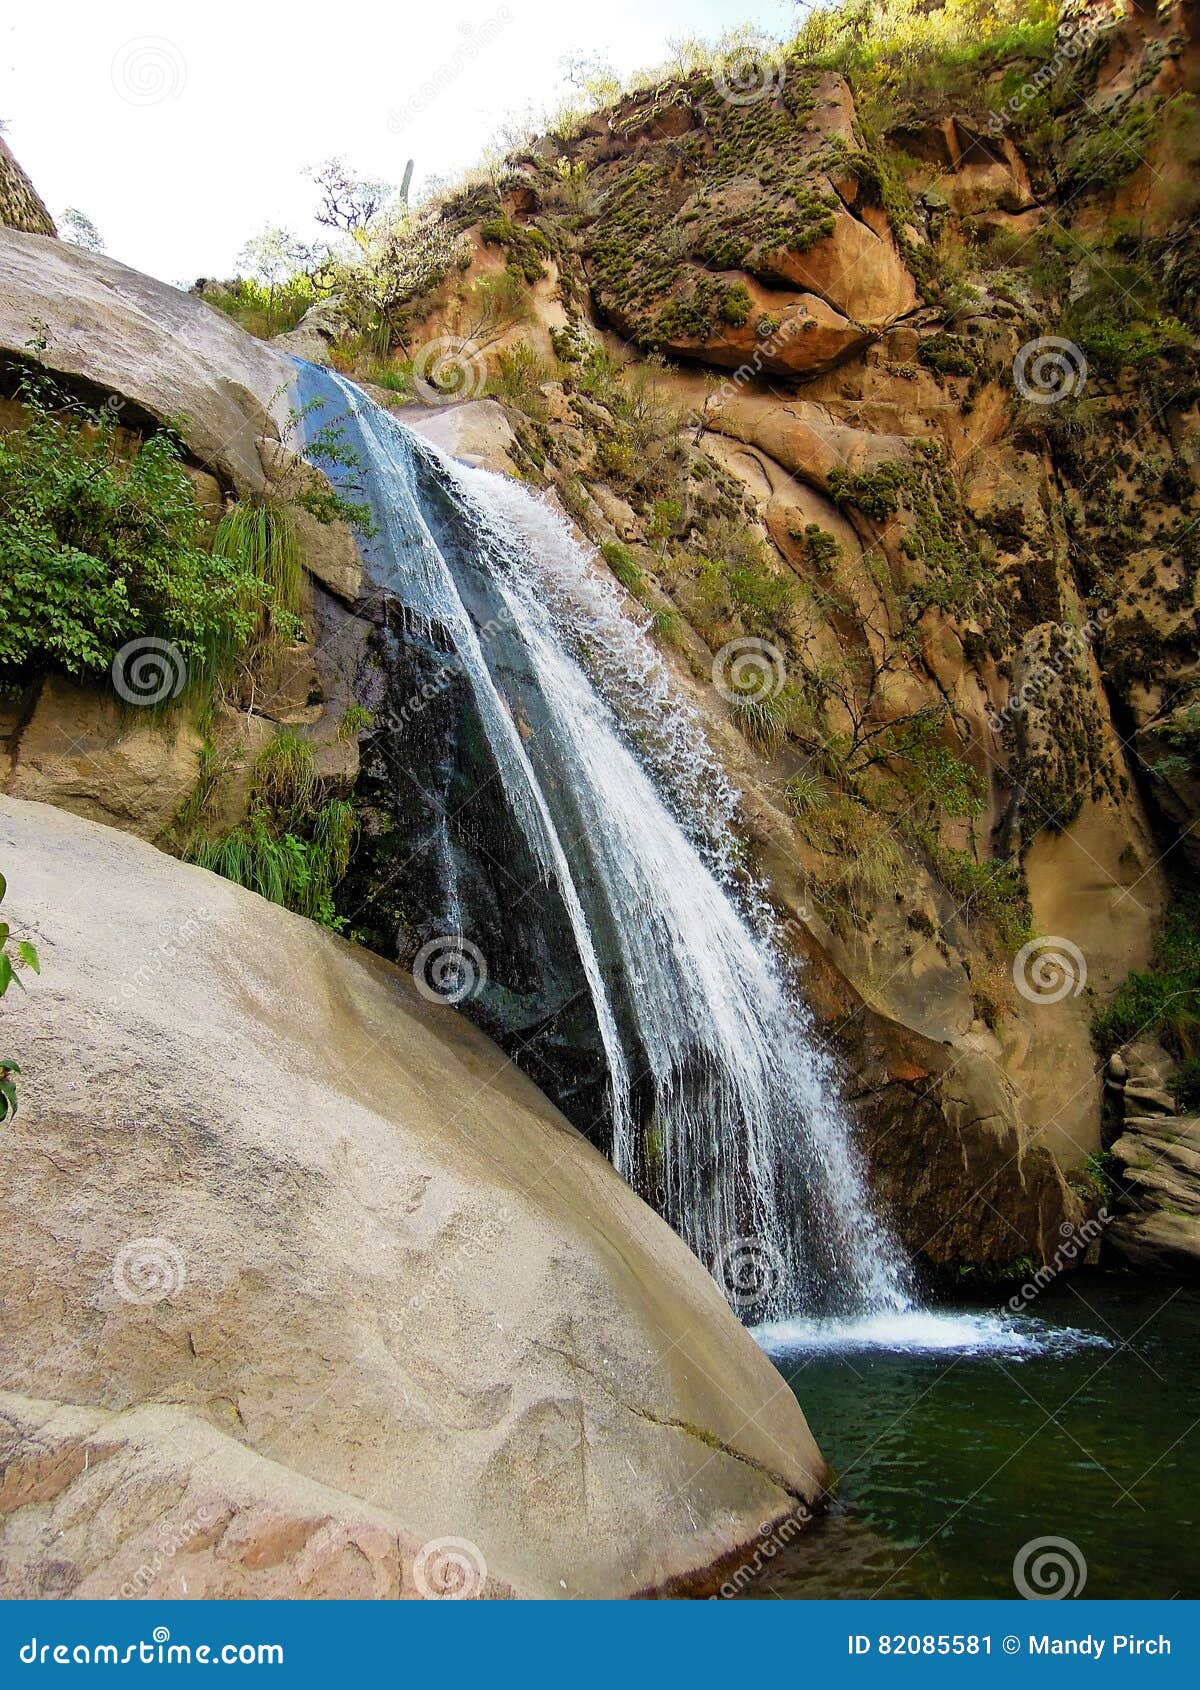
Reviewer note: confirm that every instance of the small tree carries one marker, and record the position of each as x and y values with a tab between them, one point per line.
273	258
348	202
77	227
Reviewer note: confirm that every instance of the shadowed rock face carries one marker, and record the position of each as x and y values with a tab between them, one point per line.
169	355
303	1274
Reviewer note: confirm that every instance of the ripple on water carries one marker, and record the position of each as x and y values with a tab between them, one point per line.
926	1331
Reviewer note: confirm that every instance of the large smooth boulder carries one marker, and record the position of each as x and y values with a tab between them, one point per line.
299	1274
166	352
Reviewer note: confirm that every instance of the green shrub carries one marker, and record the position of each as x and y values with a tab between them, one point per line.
764	717
805	792
624	565
285	776
527	247
1185	1084
292	849
736	305
261	309
819	546
387	373
1099	1170
259	536
101	542
25	955
517	379
666	625
355	720
1162	1001
994	890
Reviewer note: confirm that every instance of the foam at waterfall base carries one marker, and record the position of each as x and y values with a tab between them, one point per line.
924	1332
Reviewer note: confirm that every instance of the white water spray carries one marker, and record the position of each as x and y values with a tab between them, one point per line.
723	1105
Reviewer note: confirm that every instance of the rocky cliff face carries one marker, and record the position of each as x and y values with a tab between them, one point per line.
897	381
889	384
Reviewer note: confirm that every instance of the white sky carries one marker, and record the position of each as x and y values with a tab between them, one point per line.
182	129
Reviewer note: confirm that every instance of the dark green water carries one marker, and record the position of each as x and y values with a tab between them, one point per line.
950	1462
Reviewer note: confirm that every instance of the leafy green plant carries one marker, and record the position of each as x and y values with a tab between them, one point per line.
1099	1169
285	776
25	955
805	792
517	378
259	536
1162	1001
624	565
356	719
993	890
292	849
263	308
102	542
764	717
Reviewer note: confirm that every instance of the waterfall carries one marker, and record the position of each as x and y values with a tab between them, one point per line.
722	1106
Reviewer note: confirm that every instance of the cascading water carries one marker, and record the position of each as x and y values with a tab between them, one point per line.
722	1107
